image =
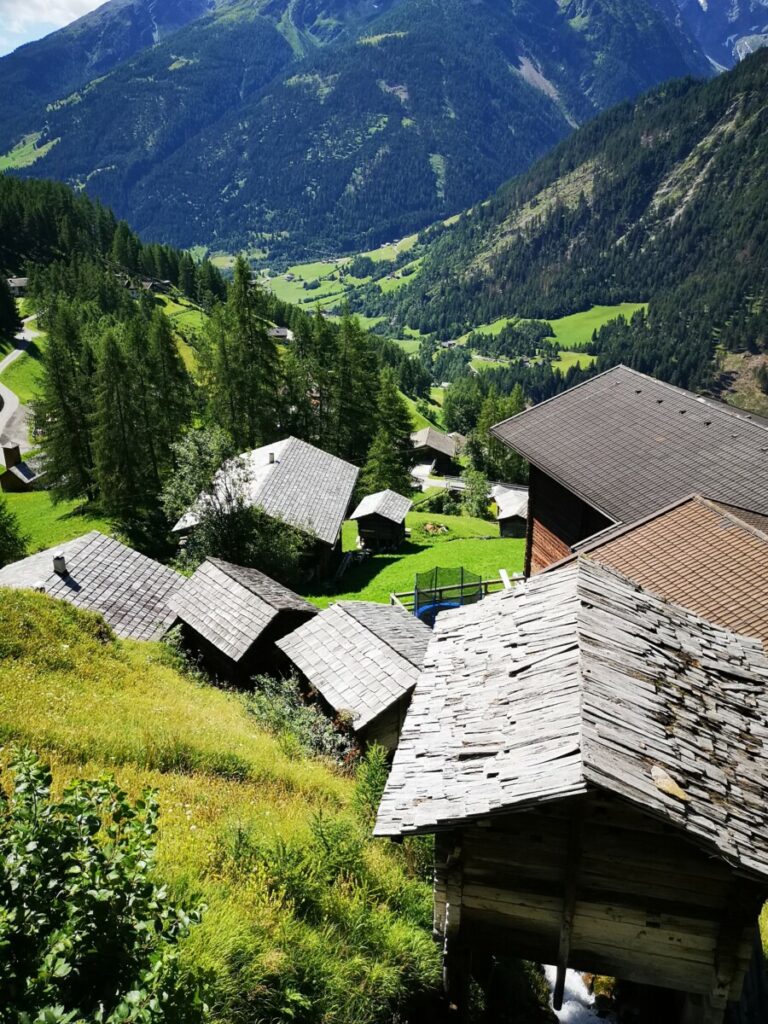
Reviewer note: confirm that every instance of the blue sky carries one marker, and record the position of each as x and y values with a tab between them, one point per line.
21	21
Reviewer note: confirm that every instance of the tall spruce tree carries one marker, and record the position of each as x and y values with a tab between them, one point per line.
355	382
65	407
13	541
10	321
390	455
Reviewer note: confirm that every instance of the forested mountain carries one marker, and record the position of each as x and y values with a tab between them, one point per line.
324	125
662	200
727	30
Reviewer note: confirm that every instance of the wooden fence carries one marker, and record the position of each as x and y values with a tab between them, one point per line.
407	598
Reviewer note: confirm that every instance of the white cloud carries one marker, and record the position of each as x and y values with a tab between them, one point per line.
16	16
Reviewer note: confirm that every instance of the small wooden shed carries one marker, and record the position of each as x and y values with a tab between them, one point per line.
593	761
232	616
440	450
363	660
380	520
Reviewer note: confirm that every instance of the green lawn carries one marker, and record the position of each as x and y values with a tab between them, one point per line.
575	331
23	375
391	252
472	543
408	345
47	524
419	421
25	152
569	359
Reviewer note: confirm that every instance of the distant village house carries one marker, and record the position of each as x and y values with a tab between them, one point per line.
440	450
18	286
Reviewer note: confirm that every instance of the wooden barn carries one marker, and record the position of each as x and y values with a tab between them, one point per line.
295	482
512	506
440	450
232	616
380	520
363	660
593	761
623	445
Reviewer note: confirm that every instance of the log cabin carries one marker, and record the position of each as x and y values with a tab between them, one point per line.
593	762
440	451
231	617
380	520
622	445
294	482
362	659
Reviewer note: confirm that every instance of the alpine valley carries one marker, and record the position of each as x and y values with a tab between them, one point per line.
319	126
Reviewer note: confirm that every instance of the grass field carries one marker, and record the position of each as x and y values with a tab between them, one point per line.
302	908
472	543
569	359
23	375
575	331
47	524
25	152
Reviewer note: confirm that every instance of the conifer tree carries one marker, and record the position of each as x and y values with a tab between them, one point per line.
390	456
10	322
13	542
66	405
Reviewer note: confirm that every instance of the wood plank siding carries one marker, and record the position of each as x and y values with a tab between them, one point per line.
650	906
557	518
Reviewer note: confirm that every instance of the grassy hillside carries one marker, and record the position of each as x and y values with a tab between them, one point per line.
306	917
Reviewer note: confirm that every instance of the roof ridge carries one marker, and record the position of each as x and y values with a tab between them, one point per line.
225	567
384	640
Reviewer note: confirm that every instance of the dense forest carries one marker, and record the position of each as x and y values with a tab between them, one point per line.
661	200
322	127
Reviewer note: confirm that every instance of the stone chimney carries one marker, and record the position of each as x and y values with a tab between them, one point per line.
11	455
60	564
271	458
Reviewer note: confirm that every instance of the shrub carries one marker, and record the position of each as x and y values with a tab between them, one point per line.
278	705
85	932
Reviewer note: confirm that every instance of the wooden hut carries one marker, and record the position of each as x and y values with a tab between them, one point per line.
20	475
512	506
232	616
380	520
440	451
622	445
363	660
292	481
593	761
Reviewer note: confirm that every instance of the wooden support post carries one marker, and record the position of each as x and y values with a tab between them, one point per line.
571	877
740	908
456	953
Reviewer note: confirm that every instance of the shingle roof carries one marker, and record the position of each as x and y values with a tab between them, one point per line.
27	471
628	444
361	657
303	485
387	504
701	555
231	605
130	590
428	437
580	679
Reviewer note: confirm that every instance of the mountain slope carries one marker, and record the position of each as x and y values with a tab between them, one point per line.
662	200
727	30
325	124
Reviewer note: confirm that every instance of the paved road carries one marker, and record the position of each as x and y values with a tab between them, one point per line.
13	415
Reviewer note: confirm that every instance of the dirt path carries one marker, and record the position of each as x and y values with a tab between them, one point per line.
14	415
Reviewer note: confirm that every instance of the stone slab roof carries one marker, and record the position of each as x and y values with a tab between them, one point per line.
698	554
512	503
130	590
428	437
387	504
628	444
293	481
361	657
580	680
231	606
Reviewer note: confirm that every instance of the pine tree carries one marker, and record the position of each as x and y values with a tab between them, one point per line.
383	468
170	384
66	405
10	322
13	543
124	473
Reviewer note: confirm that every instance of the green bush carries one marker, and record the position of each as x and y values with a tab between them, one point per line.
86	935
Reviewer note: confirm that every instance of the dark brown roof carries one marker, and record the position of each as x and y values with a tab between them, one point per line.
428	437
700	555
628	444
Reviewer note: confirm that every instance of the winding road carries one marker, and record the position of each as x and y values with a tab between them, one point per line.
13	415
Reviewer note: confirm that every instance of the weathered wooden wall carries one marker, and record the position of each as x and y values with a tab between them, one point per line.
649	906
556	520
385	730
